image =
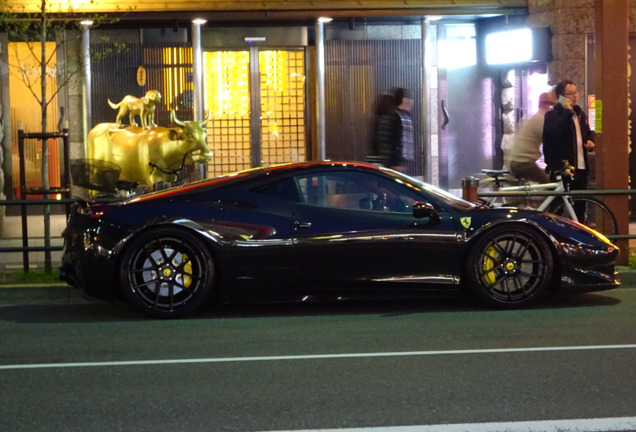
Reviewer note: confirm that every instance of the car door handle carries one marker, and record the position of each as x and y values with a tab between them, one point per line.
299	224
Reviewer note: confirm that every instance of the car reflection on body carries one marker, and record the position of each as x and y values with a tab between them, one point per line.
321	230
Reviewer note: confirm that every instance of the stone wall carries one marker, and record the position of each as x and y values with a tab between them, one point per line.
571	21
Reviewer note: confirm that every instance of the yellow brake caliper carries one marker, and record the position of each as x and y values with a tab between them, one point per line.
489	264
187	271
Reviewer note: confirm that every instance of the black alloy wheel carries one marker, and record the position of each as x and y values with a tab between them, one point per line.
167	272
510	266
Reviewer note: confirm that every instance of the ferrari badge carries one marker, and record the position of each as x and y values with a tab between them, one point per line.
465	222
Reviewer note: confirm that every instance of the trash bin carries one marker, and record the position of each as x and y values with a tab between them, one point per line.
469	189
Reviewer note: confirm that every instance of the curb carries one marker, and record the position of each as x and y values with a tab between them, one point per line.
61	293
626	275
52	293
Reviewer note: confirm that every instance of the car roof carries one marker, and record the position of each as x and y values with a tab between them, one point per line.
253	174
305	166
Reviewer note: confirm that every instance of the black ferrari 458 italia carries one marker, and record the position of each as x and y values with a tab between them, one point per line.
322	230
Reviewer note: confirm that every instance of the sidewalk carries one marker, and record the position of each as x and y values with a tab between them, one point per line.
16	293
11	236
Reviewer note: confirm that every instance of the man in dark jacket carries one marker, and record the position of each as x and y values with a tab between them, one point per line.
394	133
567	136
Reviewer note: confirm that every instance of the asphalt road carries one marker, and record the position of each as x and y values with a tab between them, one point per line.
92	366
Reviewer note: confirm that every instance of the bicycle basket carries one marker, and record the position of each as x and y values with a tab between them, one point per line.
95	174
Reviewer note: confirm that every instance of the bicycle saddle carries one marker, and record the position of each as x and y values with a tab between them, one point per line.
495	173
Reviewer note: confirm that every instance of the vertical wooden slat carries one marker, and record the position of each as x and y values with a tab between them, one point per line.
357	72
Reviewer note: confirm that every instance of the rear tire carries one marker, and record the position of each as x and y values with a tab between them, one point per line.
167	272
510	266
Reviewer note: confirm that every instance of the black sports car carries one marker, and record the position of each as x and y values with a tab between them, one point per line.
321	230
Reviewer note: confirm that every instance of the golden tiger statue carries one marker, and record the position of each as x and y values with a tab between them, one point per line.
143	107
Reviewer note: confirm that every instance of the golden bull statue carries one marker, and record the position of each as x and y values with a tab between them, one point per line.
148	156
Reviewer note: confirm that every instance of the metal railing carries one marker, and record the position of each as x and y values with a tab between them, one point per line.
23	202
26	248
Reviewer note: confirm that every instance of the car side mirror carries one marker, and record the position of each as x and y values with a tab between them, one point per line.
424	210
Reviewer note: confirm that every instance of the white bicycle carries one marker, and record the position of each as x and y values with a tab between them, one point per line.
595	213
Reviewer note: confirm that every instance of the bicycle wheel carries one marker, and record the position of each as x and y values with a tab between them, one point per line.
597	215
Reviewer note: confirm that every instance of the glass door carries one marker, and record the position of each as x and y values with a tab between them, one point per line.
464	106
257	102
282	98
227	99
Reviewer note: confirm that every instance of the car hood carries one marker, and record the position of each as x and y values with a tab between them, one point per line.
559	228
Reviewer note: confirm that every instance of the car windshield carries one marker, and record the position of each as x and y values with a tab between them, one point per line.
444	197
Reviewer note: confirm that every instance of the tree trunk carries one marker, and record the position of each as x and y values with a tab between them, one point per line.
45	145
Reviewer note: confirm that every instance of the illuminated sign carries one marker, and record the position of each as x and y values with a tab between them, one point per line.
514	46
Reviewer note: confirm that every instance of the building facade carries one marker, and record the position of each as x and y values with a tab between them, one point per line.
262	66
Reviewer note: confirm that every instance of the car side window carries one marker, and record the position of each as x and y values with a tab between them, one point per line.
355	191
285	189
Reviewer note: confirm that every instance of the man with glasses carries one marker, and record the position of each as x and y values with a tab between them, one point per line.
567	136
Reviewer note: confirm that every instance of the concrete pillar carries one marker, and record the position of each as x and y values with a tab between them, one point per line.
197	77
197	68
320	89
426	100
86	81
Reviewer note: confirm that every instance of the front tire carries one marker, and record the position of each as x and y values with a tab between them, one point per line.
167	272
510	267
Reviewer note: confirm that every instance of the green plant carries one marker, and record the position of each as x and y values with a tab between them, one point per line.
34	276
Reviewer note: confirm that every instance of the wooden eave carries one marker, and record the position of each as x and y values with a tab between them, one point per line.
281	10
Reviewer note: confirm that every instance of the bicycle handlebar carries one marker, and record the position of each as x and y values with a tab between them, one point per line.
567	170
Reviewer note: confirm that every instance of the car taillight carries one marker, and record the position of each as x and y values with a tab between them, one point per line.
93	211
96	214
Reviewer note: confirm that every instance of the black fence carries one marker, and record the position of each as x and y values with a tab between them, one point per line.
26	248
24	202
